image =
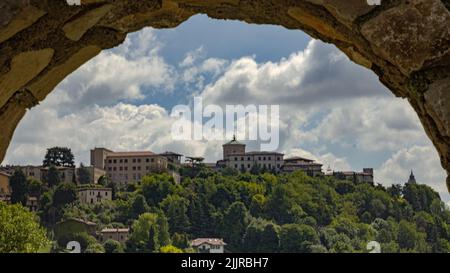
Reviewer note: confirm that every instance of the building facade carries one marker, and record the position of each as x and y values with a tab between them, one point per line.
309	166
117	234
172	157
357	177
208	245
66	174
235	156
124	167
94	195
5	187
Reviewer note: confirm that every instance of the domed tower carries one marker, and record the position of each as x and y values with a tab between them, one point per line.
232	148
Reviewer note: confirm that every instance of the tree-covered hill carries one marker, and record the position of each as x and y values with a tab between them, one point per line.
272	213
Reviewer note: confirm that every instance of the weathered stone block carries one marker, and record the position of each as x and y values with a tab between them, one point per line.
24	67
437	102
28	16
75	29
410	34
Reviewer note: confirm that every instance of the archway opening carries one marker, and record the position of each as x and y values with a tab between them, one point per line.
331	110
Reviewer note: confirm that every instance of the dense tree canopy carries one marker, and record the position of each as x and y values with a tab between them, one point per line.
262	212
59	156
20	231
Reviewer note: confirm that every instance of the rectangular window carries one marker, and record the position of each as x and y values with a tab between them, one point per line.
139	160
147	160
134	160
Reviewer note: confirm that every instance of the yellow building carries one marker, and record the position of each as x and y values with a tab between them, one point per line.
5	188
124	167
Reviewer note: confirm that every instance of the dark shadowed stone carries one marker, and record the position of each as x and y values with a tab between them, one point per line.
391	32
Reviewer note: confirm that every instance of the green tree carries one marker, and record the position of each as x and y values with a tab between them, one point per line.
140	239
59	156
35	188
235	222
20	230
19	188
112	246
407	235
170	249
65	193
52	178
175	208
261	236
296	238
139	206
163	229
152	242
84	176
180	240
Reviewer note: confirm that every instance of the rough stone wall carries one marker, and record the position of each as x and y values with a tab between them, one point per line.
405	42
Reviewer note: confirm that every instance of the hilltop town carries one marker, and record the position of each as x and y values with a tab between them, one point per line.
111	204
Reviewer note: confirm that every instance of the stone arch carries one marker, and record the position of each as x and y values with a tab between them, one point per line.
405	42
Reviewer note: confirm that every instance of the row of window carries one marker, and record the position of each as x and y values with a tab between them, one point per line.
259	158
249	166
99	194
134	160
125	168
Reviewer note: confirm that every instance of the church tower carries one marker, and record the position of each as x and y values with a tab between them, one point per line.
233	147
412	179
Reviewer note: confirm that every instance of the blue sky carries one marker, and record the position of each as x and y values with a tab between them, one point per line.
331	109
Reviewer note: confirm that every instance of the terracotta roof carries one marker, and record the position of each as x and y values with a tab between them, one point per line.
209	241
124	154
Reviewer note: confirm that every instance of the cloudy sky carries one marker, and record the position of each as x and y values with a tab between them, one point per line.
330	109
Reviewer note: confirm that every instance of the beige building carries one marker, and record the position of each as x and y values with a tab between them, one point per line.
66	174
33	172
94	195
172	157
208	245
357	177
124	167
94	173
235	156
5	188
117	234
32	203
297	163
